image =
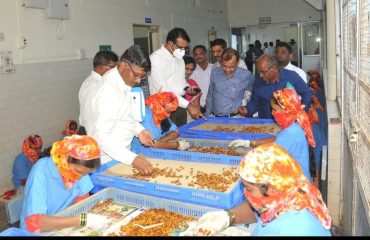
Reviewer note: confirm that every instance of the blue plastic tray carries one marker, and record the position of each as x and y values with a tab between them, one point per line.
187	130
136	200
185	194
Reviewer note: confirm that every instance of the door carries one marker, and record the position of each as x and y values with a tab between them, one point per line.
147	37
310	46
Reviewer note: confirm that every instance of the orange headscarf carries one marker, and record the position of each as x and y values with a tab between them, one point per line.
314	74
78	147
290	101
32	147
162	104
272	165
68	131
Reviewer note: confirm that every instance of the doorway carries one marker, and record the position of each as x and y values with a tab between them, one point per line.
147	37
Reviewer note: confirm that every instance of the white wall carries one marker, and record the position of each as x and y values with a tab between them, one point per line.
243	13
42	94
95	22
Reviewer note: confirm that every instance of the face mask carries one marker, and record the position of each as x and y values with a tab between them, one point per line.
178	53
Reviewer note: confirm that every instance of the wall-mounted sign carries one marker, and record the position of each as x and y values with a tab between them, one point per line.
105	48
148	20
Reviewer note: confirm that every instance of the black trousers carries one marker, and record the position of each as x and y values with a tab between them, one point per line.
179	117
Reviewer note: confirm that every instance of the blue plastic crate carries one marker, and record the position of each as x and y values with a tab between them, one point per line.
186	194
10	232
13	208
187	130
136	200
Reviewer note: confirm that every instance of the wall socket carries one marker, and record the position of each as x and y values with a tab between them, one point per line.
21	42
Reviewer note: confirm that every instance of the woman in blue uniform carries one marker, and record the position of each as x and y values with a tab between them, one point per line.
296	131
71	128
281	200
157	121
31	152
57	182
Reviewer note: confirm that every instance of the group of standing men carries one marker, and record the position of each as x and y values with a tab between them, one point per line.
109	104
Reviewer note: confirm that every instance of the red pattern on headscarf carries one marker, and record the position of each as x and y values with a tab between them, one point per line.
79	147
313	116
162	104
290	101
32	147
67	131
272	165
314	74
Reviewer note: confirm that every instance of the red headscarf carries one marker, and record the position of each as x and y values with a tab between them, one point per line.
78	147
314	74
32	147
68	131
272	165
162	104
290	101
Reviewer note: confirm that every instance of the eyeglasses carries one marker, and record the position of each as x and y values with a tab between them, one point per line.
178	47
110	66
137	75
264	72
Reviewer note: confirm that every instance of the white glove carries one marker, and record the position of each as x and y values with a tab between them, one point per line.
97	222
183	145
240	143
212	223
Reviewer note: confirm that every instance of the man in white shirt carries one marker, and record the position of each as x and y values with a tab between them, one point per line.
271	49
168	74
202	72
103	61
283	56
114	124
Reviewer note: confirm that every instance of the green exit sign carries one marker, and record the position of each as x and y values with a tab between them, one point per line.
105	47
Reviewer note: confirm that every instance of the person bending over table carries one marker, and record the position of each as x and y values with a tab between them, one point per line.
281	200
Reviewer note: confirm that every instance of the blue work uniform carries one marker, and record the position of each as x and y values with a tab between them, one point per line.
291	223
148	124
46	193
293	139
320	139
21	168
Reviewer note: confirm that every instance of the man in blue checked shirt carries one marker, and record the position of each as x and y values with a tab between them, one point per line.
227	86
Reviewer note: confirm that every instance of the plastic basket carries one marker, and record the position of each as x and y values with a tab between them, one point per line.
196	196
136	200
187	130
16	232
190	156
13	209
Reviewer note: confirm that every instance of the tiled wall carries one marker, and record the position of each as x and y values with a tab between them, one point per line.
334	162
37	99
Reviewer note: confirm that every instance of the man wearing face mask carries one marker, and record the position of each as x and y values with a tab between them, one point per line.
168	74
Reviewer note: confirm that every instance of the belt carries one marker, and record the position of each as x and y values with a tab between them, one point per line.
229	115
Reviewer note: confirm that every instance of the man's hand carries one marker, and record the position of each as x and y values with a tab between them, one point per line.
194	111
146	138
142	165
243	111
192	90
